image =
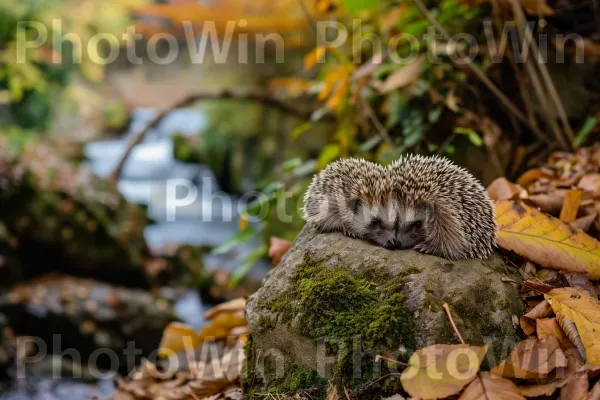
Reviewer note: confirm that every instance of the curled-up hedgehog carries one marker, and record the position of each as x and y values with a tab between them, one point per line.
425	203
443	209
354	197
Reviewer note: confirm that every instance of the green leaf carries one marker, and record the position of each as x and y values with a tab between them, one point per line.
237	239
354	6
299	130
328	154
247	265
473	136
585	131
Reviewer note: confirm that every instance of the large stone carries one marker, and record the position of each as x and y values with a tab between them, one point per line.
333	303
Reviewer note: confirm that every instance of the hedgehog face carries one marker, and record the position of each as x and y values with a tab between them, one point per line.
374	223
413	224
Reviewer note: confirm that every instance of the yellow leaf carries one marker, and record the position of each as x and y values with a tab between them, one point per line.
491	387
314	57
243	224
580	307
177	337
546	240
441	370
234	305
331	78
571	205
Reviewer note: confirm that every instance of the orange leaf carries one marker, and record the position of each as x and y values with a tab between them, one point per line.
571	205
546	240
312	58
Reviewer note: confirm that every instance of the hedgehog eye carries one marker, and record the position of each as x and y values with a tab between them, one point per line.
416	226
377	222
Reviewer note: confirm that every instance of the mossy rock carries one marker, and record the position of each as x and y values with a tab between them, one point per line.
334	303
61	218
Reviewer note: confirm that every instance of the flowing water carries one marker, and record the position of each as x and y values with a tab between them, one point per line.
144	179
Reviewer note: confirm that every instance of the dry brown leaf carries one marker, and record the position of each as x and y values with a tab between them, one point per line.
532	359
238	304
576	389
549	327
585	223
576	304
591	183
503	189
402	77
569	329
571	205
441	370
527	321
278	248
550	203
538	7
546	240
491	387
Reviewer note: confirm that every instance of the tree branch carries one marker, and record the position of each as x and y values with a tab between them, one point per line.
260	97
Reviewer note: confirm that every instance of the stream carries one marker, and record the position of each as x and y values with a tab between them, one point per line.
144	180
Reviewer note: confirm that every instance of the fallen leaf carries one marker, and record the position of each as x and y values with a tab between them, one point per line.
441	370
176	337
549	327
532	359
503	189
576	389
546	240
402	77
293	86
538	7
238	304
533	175
491	387
278	248
577	305
527	321
571	205
550	203
591	183
585	223
569	328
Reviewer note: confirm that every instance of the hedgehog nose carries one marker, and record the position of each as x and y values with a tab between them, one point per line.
392	244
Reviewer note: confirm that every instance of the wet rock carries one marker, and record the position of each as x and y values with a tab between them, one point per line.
86	315
333	303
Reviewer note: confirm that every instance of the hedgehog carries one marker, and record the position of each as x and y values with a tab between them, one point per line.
425	203
443	209
354	197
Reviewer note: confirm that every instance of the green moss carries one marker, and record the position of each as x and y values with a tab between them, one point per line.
336	306
299	379
266	323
